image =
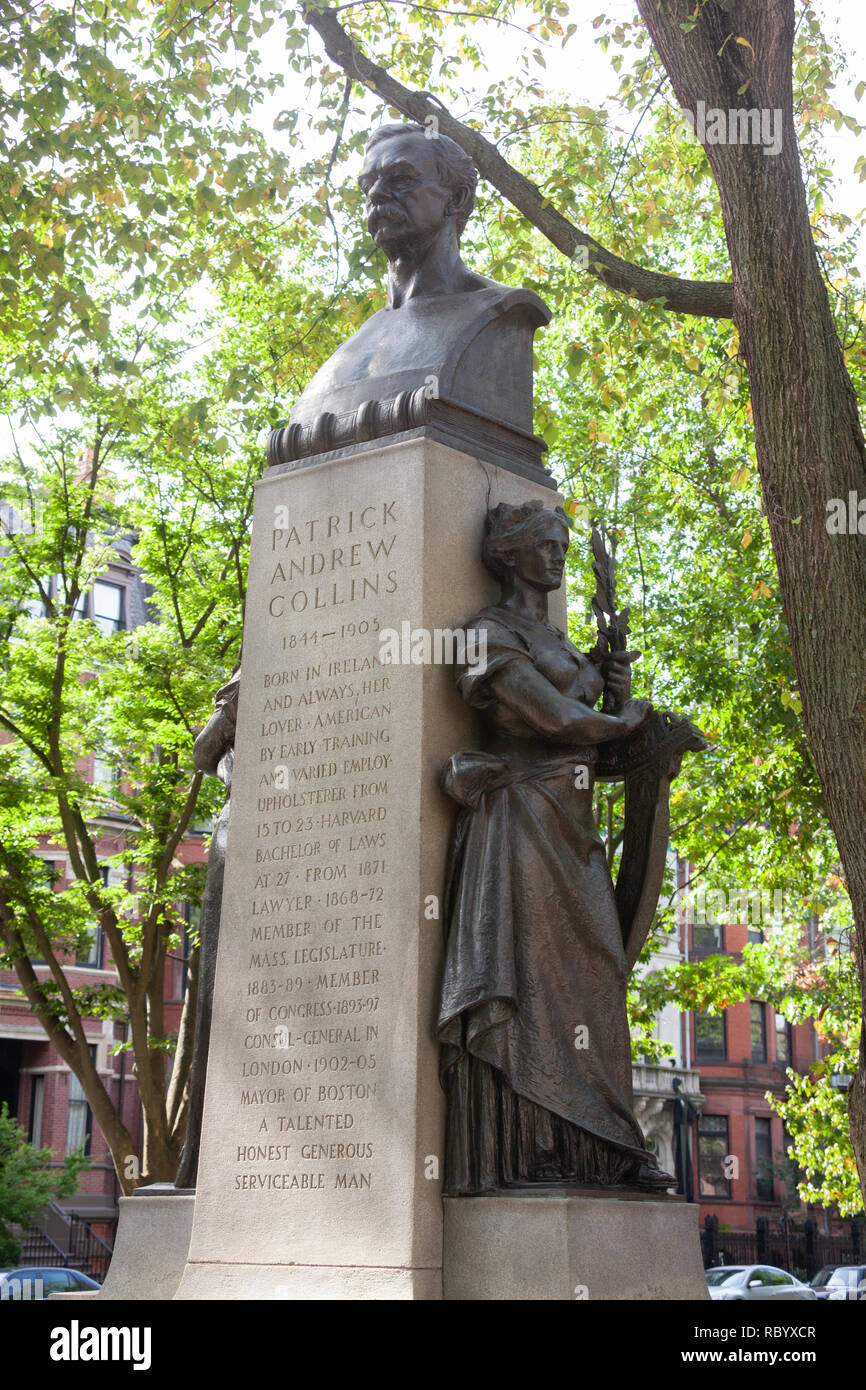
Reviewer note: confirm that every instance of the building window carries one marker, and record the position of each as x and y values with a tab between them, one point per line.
108	607
713	1179
37	1103
763	1158
759	1031
192	921
792	1170
92	953
710	1037
35	607
105	775
104	605
755	936
783	1040
79	1116
706	939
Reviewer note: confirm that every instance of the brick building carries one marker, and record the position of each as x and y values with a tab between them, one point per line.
740	1055
738	1142
704	1110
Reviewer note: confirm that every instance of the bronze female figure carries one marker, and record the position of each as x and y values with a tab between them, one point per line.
535	1043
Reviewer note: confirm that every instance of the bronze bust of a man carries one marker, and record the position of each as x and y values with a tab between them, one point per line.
451	348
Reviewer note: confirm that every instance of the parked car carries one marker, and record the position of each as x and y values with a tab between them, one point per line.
33	1283
732	1283
840	1283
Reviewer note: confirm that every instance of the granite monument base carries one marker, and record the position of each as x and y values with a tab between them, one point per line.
584	1245
306	1283
323	1130
152	1243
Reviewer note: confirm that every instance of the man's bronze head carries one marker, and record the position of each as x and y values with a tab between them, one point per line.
414	185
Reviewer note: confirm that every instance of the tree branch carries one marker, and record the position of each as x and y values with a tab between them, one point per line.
178	1088
704	298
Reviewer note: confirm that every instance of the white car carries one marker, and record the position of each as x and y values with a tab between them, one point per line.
840	1283
35	1283
738	1283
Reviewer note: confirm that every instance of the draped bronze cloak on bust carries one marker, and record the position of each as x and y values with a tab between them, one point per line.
535	1044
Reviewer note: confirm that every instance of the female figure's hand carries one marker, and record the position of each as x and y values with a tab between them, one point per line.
616	670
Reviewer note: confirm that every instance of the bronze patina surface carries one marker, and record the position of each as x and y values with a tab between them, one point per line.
536	1060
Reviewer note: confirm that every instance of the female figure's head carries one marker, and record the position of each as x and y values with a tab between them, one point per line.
525	546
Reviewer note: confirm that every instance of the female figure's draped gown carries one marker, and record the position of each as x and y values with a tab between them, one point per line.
535	1044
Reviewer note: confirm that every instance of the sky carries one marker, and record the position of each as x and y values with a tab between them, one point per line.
583	72
846	21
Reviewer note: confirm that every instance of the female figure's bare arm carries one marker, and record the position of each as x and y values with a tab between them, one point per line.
524	690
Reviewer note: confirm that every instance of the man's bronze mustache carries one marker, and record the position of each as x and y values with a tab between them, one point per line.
389	212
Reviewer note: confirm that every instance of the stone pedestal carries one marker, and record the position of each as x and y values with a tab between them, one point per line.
586	1246
323	1132
151	1245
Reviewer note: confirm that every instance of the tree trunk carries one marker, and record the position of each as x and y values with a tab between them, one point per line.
808	439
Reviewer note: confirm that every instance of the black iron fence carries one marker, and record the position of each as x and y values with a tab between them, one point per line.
801	1249
82	1249
88	1251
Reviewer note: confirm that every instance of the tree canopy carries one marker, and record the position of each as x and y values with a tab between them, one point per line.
187	249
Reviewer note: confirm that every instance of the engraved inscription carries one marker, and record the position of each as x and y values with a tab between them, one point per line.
313	981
